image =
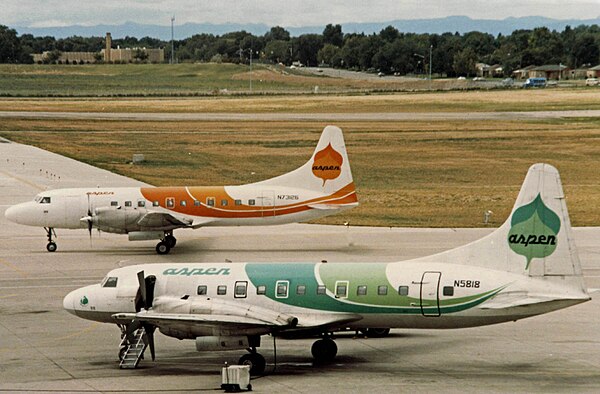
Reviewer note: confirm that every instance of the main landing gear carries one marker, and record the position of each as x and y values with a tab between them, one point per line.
255	360
324	350
51	246
166	244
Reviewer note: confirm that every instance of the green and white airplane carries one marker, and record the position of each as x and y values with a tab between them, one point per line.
527	267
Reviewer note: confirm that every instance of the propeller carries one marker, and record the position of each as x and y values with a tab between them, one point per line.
147	294
89	218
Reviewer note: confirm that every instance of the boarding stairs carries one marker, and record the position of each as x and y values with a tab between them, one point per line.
134	350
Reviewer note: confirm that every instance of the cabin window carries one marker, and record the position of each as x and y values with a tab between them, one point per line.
448	291
321	290
361	290
224	203
252	202
238	202
281	289
240	289
403	290
210	201
221	290
127	203
114	203
45	200
141	203
341	289
261	290
196	203
301	289
110	282
382	290
155	204
183	203
170	202
202	289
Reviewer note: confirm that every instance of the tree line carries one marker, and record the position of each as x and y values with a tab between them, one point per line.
389	51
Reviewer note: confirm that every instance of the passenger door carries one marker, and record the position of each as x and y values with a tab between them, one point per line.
430	298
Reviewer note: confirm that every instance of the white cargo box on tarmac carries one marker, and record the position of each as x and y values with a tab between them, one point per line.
235	378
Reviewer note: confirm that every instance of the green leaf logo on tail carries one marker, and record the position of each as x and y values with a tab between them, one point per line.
533	231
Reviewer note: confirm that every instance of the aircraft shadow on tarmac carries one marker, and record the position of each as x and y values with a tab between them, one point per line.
198	247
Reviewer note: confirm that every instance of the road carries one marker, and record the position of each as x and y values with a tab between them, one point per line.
287	116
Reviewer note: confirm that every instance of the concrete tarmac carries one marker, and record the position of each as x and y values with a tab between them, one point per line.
45	349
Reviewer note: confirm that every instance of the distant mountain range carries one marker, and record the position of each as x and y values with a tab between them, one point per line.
452	24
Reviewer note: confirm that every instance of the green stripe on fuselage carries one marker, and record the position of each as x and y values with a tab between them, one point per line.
372	275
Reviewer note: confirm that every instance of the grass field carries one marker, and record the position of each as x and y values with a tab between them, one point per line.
452	101
439	174
209	80
165	80
418	173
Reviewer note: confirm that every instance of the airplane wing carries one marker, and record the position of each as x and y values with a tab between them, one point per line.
160	220
172	320
197	320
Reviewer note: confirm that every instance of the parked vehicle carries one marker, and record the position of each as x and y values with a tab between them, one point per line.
592	82
535	83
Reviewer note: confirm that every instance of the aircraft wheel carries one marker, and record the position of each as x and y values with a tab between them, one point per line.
324	350
377	332
171	241
162	248
51	247
256	362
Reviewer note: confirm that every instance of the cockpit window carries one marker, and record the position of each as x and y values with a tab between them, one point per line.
44	200
111	281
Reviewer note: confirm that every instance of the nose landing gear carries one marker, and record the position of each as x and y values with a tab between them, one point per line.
51	246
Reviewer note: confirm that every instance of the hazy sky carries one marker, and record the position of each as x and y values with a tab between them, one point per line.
45	13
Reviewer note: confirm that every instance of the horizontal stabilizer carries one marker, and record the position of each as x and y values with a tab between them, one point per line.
333	206
516	301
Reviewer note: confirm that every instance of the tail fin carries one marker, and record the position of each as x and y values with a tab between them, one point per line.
327	171
536	239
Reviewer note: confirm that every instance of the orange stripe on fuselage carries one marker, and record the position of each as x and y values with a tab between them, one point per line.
345	195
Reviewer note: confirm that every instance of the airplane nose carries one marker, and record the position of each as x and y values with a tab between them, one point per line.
69	302
24	213
11	213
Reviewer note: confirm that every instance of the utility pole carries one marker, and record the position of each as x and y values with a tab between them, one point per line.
430	50
172	41
430	59
251	70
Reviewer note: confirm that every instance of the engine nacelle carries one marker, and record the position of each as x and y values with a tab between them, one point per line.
116	220
145	235
213	343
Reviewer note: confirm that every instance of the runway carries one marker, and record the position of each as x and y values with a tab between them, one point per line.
318	117
45	349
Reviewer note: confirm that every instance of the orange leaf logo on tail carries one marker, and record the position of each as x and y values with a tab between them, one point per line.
327	164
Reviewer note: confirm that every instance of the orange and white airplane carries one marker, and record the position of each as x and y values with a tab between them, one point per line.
320	187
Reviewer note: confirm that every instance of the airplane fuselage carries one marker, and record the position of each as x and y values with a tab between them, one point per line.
121	210
395	295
